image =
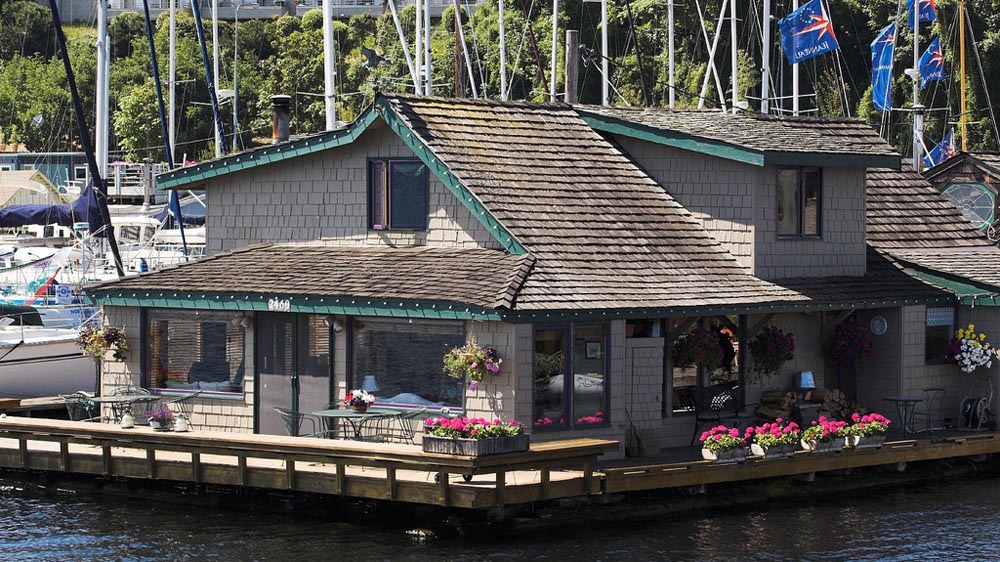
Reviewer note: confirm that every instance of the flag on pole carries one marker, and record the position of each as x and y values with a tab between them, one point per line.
882	51
807	33
942	151
932	63
927	12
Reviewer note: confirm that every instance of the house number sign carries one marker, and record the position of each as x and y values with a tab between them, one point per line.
279	305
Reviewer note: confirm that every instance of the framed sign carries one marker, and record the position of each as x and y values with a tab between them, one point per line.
593	350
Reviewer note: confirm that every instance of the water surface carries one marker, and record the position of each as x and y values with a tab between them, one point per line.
954	521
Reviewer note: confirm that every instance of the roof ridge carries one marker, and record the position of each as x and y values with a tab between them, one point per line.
507	297
481	102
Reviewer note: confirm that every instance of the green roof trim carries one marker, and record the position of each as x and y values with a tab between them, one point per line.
728	151
306	304
968	292
182	177
448	178
673	139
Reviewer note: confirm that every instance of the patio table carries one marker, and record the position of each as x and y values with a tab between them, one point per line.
357	420
119	403
905	405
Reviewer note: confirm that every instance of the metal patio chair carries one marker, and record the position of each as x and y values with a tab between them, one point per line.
184	406
719	404
80	407
294	422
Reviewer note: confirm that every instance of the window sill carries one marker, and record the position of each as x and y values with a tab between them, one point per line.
177	392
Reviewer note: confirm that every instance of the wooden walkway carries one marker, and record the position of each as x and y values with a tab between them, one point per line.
404	473
662	474
381	471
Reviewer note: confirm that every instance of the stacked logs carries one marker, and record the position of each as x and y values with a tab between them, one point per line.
775	404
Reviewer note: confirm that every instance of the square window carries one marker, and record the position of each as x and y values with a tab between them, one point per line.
799	194
397	195
193	350
940	327
80	173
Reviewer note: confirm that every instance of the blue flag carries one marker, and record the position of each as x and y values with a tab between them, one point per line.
927	12
807	33
882	50
941	152
932	63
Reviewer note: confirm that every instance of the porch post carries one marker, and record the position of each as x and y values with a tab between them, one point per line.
741	360
666	404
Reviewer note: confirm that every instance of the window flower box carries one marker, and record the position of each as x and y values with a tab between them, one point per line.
476	447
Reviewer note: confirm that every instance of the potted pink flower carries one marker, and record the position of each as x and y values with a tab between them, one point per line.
867	432
473	436
824	435
775	439
724	444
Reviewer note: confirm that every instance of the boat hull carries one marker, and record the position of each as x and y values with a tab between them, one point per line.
46	363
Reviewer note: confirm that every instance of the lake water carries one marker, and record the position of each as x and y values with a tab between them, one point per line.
953	521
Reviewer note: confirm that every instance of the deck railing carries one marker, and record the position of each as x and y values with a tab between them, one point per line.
368	470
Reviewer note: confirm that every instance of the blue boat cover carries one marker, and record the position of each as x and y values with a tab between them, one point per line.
83	209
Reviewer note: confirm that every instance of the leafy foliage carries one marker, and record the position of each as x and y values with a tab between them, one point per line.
284	56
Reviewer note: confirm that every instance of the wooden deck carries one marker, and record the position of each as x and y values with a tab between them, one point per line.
667	473
379	471
404	473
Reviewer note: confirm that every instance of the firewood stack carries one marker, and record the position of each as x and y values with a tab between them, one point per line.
775	404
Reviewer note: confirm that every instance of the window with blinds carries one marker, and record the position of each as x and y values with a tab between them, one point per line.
402	361
194	350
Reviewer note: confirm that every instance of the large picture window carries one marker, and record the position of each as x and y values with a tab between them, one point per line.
402	361
940	327
799	192
397	195
577	401
194	350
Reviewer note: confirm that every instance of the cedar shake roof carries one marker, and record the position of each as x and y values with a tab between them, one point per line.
761	133
991	159
479	277
905	211
884	280
604	234
980	265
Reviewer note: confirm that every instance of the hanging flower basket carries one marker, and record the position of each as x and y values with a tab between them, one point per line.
771	348
698	348
472	362
108	343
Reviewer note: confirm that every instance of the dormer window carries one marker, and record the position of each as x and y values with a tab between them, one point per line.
397	195
799	192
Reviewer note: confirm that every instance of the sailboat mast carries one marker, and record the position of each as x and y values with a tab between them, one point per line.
418	45
172	81
215	70
606	79
503	51
329	70
429	88
101	90
918	110
765	60
961	72
670	52
555	50
733	57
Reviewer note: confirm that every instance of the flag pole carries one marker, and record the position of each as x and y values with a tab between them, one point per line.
961	73
795	74
918	110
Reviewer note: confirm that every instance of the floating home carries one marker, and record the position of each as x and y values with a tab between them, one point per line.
580	242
